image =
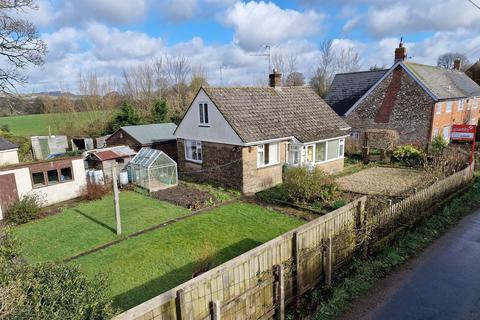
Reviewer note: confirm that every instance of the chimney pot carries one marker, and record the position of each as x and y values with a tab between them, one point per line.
457	64
400	53
275	79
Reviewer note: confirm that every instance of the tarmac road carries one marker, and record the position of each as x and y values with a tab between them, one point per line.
442	283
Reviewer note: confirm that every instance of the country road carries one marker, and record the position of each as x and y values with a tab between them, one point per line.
442	283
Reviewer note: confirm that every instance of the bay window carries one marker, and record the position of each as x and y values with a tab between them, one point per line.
193	151
268	154
320	151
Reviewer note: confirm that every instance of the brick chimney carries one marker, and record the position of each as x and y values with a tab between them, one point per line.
400	52
457	64
275	79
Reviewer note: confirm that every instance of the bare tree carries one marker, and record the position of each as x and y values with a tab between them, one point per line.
295	79
331	62
20	44
286	63
447	60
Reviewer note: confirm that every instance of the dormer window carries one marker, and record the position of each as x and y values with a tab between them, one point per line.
203	112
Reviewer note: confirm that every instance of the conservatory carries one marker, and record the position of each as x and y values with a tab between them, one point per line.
153	170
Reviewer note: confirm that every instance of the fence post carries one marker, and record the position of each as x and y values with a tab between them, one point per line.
179	304
296	263
280	291
328	262
216	311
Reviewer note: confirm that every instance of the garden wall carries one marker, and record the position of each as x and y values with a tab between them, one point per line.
260	283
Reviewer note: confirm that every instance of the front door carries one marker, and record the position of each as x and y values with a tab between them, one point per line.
446	133
8	192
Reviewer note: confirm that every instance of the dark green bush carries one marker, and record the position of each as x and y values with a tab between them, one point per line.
53	291
25	209
303	186
409	155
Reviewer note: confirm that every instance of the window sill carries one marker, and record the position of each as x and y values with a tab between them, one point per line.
194	161
204	125
268	165
51	185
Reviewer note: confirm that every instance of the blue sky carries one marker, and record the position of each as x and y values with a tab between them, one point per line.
105	37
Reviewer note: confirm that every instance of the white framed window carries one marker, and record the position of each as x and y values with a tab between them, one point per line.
469	103
268	154
475	103
435	132
294	155
461	104
203	114
439	108
448	107
341	148
193	151
446	133
355	135
321	152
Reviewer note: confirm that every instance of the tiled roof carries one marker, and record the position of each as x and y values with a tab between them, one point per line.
151	133
348	88
444	83
264	113
7	145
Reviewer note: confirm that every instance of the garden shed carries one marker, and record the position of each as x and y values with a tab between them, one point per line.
153	170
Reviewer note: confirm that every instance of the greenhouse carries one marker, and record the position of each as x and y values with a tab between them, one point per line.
153	170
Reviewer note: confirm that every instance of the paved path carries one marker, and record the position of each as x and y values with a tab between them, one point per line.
443	283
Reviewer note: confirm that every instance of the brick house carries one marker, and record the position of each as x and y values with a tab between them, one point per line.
242	137
55	181
418	101
474	72
156	136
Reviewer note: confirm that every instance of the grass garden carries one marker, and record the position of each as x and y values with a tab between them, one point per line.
144	266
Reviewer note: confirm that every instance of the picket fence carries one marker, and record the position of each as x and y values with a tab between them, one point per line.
260	283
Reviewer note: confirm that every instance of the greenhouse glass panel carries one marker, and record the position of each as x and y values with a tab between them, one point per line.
153	170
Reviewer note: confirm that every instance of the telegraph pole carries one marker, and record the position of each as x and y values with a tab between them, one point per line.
116	199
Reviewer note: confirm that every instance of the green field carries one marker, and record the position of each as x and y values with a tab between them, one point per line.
38	124
142	267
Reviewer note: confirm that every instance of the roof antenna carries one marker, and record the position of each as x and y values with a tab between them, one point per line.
266	54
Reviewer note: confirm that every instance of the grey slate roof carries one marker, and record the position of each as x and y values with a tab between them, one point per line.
7	145
264	113
348	88
444	83
151	133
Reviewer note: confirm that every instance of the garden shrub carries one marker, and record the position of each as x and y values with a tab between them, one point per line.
409	155
51	291
94	191
438	145
25	209
303	186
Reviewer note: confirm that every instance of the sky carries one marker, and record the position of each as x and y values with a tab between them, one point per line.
105	37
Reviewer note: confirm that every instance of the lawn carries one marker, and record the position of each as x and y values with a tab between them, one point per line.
38	124
89	225
142	267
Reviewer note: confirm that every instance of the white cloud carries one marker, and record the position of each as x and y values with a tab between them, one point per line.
178	11
259	23
114	11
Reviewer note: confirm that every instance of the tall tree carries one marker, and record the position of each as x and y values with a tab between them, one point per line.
333	60
20	43
447	60
159	112
295	79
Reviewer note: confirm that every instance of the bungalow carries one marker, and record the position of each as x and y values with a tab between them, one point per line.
156	136
55	181
242	137
418	101
8	152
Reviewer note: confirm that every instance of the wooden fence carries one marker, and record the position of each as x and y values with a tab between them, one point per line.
418	205
260	283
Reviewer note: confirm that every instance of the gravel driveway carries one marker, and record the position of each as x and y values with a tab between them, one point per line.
382	181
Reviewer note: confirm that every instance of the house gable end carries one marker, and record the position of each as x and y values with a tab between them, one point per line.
218	130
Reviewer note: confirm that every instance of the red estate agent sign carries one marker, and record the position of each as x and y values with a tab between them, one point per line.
463	132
